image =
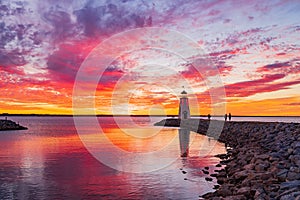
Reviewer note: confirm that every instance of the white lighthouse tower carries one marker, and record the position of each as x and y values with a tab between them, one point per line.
184	109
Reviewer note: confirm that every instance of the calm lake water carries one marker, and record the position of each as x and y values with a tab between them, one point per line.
51	160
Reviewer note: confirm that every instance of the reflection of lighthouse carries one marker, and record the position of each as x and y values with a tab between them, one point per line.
184	140
184	110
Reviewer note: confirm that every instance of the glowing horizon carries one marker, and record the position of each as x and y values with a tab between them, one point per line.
255	46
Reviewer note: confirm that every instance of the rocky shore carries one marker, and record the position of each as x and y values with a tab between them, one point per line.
263	161
10	125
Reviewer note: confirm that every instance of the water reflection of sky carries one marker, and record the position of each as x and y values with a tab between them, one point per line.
51	163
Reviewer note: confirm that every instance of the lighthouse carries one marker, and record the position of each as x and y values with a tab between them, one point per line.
184	109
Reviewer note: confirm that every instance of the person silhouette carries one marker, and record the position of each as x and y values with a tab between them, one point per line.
225	116
229	116
208	116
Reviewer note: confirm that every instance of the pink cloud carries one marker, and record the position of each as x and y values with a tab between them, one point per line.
265	84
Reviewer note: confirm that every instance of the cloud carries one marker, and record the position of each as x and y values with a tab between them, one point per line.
111	76
293	104
270	67
63	64
205	70
12	59
265	84
110	18
224	69
288	67
61	23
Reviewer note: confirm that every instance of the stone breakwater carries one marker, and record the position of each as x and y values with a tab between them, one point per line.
10	125
263	161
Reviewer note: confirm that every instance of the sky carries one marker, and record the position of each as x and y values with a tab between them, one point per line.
251	47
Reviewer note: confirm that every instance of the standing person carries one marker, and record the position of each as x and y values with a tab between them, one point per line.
225	116
229	116
208	116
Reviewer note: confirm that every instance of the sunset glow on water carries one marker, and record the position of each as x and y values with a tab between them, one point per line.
53	163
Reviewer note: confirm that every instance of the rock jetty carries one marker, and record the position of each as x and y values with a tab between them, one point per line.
263	161
10	125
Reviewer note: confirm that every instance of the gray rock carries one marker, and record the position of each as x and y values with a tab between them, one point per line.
236	197
291	176
260	167
208	179
289	194
263	157
295	159
275	156
241	175
296	151
216	198
282	174
290	150
297	144
224	191
259	193
244	190
290	184
281	165
266	175
249	167
295	169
